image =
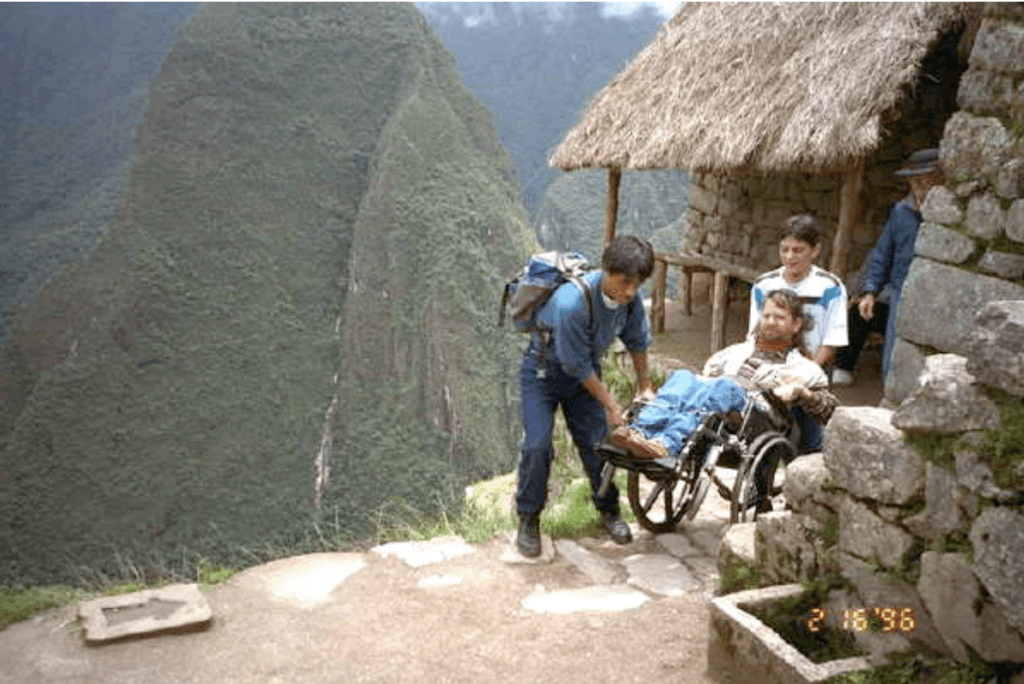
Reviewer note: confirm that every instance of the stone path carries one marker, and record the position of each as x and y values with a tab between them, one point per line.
443	610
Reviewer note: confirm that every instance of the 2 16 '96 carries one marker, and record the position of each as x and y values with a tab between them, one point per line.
875	619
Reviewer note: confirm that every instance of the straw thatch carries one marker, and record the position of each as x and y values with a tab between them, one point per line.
760	87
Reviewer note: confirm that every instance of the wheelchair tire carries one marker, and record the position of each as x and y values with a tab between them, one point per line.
768	450
678	494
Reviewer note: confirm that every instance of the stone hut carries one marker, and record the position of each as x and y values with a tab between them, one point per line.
781	108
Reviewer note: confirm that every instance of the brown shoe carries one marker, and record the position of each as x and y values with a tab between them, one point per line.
636	444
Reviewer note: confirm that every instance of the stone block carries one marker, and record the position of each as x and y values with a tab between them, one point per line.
904	371
1010	182
596	568
943	244
947	400
941	206
869	458
1003	264
151	611
416	554
660	574
702	199
975	147
999	46
737	546
985	218
961	613
997	538
600	598
940	304
804	488
1015	221
788	547
941	501
882	591
984	91
995	346
975	475
747	651
865	535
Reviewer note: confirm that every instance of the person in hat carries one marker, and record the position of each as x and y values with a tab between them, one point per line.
887	265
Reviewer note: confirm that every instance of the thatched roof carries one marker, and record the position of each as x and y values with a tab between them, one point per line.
760	87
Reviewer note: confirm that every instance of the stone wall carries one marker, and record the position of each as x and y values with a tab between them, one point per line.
920	507
741	218
970	248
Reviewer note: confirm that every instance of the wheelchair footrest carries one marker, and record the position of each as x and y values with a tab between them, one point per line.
654	469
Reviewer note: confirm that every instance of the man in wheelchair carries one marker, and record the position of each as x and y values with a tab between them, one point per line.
770	366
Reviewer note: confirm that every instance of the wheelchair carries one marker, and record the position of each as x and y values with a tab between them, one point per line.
753	441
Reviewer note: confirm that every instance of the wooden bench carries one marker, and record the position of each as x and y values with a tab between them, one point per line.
688	264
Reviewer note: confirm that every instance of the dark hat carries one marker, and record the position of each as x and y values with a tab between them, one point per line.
920	163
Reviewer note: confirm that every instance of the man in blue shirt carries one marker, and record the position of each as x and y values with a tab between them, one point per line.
562	367
888	264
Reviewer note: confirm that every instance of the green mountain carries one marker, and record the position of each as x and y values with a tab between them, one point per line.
290	319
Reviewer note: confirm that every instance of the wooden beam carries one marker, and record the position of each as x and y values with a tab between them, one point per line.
658	296
849	213
704	262
611	211
719	311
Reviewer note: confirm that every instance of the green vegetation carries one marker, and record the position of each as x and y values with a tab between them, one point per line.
739	576
1003	448
165	398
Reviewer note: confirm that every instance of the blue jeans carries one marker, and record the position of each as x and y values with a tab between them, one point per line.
681	404
585	418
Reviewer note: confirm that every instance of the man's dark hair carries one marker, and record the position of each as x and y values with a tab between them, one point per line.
629	255
802	227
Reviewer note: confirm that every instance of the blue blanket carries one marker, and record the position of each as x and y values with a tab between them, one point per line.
681	404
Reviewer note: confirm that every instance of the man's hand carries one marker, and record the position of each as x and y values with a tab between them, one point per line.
791	392
866	306
615	414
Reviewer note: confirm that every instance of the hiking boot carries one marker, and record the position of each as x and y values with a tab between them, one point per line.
616	527
528	539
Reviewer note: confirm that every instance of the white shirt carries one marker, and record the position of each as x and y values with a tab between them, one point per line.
824	298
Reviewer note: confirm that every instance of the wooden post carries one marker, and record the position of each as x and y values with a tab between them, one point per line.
719	311
611	211
849	212
658	296
686	290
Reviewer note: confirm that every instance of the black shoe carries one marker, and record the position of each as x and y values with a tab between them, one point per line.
528	539
616	527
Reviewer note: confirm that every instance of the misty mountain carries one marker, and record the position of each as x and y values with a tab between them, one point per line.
289	315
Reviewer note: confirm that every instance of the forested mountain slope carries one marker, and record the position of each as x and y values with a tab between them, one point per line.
291	317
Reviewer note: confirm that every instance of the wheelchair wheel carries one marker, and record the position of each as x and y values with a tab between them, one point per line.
669	499
760	462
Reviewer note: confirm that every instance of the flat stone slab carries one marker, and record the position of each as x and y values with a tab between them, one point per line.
416	554
596	568
144	612
303	581
753	653
604	598
660	574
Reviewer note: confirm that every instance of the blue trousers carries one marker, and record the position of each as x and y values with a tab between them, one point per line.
585	418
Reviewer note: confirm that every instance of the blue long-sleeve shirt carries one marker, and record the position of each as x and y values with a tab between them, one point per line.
890	259
578	344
